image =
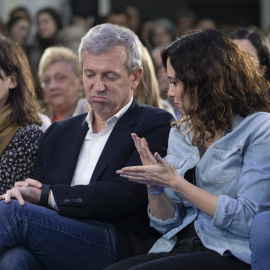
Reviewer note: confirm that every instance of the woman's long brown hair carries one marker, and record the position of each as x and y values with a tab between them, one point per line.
22	98
220	79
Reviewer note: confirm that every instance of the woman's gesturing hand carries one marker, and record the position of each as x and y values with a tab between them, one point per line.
161	173
141	144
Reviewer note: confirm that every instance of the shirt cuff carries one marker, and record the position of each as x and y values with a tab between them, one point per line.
54	205
225	211
164	226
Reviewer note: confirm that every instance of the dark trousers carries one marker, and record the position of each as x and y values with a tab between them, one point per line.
209	260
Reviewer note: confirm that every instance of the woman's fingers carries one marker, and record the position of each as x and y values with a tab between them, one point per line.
21	184
143	150
33	182
28	182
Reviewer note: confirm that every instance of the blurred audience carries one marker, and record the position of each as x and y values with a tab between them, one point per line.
133	18
145	29
19	118
60	75
118	17
49	23
255	43
162	32
185	21
206	23
3	28
20	12
71	36
18	30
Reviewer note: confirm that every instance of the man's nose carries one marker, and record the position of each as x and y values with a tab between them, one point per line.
99	84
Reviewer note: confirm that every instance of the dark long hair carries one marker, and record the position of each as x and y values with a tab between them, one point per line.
220	79
22	98
54	14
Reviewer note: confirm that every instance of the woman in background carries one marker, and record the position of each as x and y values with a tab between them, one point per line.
19	118
49	23
147	91
255	43
60	76
162	32
18	30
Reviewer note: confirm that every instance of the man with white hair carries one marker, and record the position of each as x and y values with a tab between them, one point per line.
77	212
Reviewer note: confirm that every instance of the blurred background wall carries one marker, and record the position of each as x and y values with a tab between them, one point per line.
222	11
240	13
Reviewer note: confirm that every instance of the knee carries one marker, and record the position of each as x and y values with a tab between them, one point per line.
261	221
260	227
19	258
9	208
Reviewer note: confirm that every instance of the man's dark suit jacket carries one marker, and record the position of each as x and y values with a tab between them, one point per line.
108	197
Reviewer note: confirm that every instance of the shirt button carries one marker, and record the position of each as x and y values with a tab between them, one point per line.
66	200
176	229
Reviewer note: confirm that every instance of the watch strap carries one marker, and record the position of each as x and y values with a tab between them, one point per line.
44	196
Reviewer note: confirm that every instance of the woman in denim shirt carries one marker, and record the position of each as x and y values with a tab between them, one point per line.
217	169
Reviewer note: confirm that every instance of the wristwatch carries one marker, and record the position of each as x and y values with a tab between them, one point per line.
44	196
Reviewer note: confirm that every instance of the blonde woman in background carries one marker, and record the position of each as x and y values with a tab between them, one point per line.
147	91
60	75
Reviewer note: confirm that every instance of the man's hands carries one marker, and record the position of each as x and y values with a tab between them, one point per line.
24	191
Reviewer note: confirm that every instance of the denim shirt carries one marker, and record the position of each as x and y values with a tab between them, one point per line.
236	168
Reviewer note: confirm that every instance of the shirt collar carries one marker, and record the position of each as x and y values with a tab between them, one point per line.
114	118
236	122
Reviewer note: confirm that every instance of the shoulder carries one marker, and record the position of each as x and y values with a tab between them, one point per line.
46	122
60	127
259	116
79	120
254	121
149	112
29	130
27	135
152	118
146	114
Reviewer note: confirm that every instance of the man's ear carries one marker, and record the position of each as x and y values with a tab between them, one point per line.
13	81
136	76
